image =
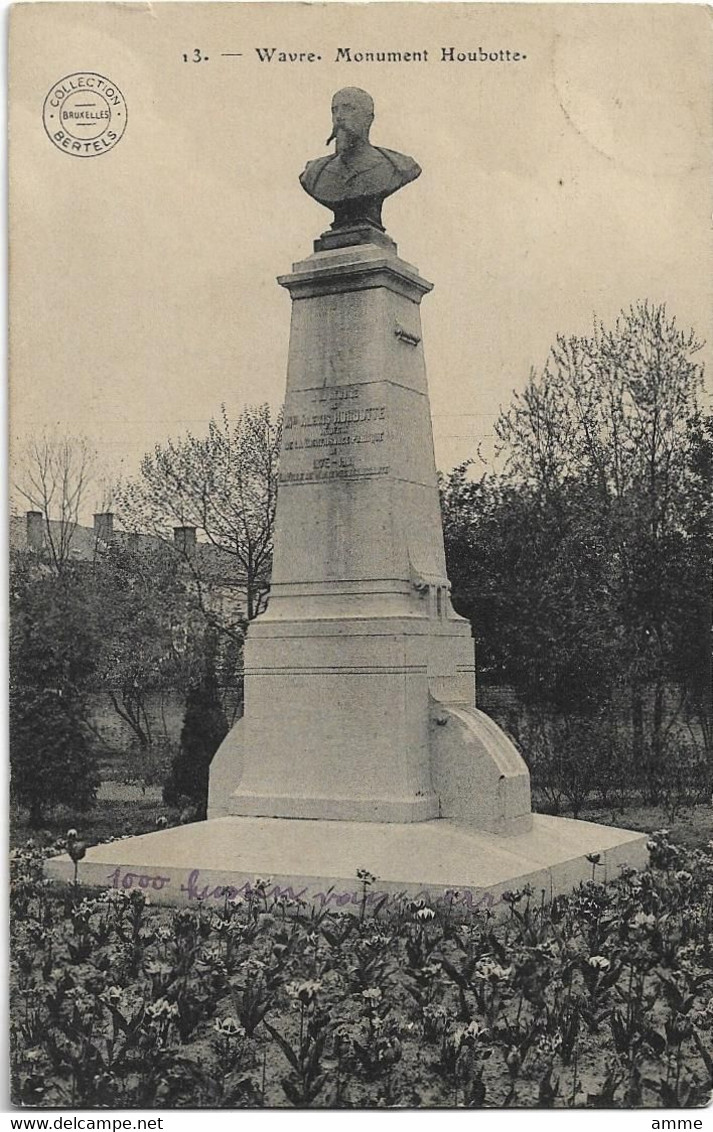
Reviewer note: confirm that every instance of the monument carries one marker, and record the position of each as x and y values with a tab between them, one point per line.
361	747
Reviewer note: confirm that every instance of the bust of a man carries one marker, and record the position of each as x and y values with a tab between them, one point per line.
355	181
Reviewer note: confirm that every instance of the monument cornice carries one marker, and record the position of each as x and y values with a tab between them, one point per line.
320	275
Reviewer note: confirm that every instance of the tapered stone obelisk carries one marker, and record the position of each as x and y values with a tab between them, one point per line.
350	670
360	746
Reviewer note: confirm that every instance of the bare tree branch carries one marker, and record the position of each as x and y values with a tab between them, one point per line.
54	475
224	484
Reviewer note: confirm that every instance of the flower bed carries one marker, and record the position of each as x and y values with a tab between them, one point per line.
601	998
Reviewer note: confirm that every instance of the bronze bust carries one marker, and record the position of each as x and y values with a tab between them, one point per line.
355	181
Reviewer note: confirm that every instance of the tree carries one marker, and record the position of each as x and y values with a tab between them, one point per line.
123	623
692	645
532	581
126	601
145	620
225	486
204	728
55	475
52	654
591	549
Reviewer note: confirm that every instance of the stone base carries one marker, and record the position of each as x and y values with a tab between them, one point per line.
317	861
359	233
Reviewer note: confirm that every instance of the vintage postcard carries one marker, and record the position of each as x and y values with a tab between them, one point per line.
361	471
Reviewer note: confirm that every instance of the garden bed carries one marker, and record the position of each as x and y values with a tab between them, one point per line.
602	998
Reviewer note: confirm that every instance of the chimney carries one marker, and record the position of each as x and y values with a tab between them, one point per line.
104	526
184	540
35	530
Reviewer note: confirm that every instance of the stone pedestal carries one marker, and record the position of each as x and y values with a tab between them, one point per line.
316	862
359	677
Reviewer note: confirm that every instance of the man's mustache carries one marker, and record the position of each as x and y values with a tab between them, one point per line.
345	129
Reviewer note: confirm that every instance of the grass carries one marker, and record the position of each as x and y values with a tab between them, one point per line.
692	827
108	818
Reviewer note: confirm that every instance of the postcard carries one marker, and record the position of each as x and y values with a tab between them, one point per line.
361	454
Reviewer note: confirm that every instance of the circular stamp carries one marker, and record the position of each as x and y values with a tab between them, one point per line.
84	114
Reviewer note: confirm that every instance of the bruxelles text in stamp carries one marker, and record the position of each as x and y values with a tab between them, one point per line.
84	114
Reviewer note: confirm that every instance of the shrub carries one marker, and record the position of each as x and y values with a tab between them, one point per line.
204	728
51	755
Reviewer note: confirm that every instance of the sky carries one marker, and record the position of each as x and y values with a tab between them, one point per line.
555	189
